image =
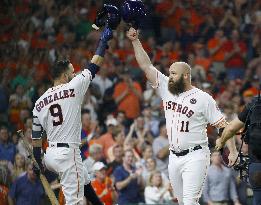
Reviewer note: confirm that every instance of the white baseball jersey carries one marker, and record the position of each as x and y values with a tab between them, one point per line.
58	110
187	115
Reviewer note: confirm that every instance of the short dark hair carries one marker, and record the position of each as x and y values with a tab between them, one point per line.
60	67
84	111
3	127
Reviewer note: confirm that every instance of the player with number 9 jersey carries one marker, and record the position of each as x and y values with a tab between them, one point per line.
58	113
61	105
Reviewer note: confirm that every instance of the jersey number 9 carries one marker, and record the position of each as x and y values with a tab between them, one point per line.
56	112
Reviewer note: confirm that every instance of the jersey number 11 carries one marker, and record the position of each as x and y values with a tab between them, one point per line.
184	126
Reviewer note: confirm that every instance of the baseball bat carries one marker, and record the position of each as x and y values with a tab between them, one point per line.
46	185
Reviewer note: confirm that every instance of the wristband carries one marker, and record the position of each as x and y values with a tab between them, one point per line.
93	68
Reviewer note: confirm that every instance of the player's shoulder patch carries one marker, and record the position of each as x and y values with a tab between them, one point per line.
193	101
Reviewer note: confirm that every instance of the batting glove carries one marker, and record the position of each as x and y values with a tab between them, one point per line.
106	34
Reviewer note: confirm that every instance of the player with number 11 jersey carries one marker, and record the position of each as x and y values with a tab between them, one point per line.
187	115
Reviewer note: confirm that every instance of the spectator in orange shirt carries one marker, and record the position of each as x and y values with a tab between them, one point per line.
127	95
235	56
196	17
23	115
106	140
169	50
102	184
216	50
200	56
171	11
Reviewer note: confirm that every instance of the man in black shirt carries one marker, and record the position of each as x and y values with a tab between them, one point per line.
250	117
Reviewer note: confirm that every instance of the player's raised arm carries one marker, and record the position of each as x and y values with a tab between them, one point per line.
142	57
97	59
82	81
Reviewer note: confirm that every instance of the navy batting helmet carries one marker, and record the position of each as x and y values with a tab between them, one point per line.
114	16
132	12
109	15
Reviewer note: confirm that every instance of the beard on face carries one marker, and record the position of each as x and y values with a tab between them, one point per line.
177	87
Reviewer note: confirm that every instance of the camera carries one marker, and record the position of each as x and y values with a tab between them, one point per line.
242	167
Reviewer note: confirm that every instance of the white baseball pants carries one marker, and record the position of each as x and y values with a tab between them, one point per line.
67	162
187	175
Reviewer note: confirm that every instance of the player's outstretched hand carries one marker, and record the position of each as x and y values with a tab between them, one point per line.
107	34
132	34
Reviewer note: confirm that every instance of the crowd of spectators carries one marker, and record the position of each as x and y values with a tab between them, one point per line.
124	139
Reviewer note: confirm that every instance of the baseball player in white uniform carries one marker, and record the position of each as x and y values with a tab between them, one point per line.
58	113
188	110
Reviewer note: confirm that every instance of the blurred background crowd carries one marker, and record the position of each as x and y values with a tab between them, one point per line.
122	116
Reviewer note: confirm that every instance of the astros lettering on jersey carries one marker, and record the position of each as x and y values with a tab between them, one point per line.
187	115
